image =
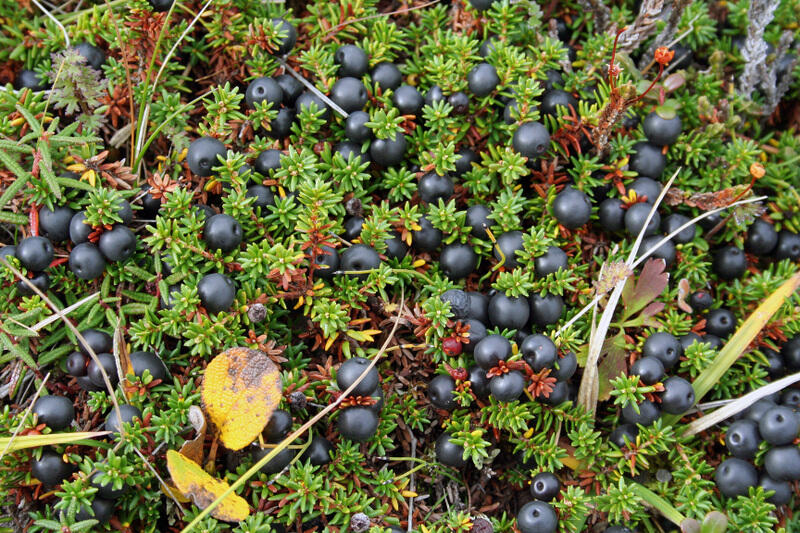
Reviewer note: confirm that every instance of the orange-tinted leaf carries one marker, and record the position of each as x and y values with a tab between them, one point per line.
193	482
241	389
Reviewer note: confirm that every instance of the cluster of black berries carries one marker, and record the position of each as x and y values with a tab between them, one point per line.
277	429
661	351
91	252
538	516
776	424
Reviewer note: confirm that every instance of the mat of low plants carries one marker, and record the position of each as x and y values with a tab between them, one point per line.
376	266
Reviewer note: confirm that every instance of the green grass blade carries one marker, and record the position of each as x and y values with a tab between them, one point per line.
658	503
35	441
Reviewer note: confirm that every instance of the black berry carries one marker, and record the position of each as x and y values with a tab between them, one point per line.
720	322
264	89
675	221
678	396
742	439
506	248
537	517
545	486
216	292
635	219
448	452
779	426
386	75
359	257
50	468
539	352
648	160
349	94
661	131
54	224
287	42
457	260
204	154
649	369
729	263
531	139
734	477
128	412
34	253
388	152
553	260
572	208
427	238
482	79
117	244
509	312
141	361
440	392
508	386
761	238
352	61
408	100
663	346
350	371
357	423
57	412
433	187
546	310
492	349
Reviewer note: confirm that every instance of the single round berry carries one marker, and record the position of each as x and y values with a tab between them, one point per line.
310	101
291	88
729	263
281	126
646	188
782	490
720	322
649	369
509	312
700	301
508	386
349	94
388	152
479	307
357	423
791	397
482	79
40	280
128	412
352	61
458	261
359	258
648	413
355	127
434	95
35	253
661	131
546	310
57	412
479	382
106	363
477	332
734	477
76	364
623	434
54	224
433	187
459	302
572	208
788	246
319	451
488	46
427	238
86	261
351	370
327	262
9	250
539	352
611	215
553	260
537	517
29	79
545	486
782	463
665	347
466	157
93	55
779	426
636	217
448	452
386	75
492	349
761	238
554	99
288	39
665	251
263	196
648	160
264	89
505	250
678	396
204	154
216	292
352	227
531	139
117	244
277	463
776	367
141	361
278	426
396	247
98	341
440	392
565	367
742	439
790	351
408	100
222	232
675	221
460	102
50	468
351	151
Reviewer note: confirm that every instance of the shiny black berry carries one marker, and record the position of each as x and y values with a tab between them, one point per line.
351	370
204	154
539	352
290	36
508	386
396	248
434	95
327	262
531	139
352	61
742	439
664	346
555	98
675	221
107	491
572	208
448	452
623	434
611	215
408	100
427	238
545	486
783	463
635	219
128	412
267	161
107	363
264	89
117	244
788	246
40	280
661	131
86	261
357	258
460	102
466	157
537	517
720	322
216	292
553	260
458	261
477	332
510	312
263	196
357	423
546	310
98	341
491	350
665	251
482	79
57	412
479	307
782	489
649	369
35	253
505	250
433	187
647	188
349	94
678	396
141	361
648	413
386	75
729	263
355	127
222	232
440	392
388	152
734	477
565	367
479	382
700	301
779	426
281	126
54	224
29	79
309	100
50	468
648	160
761	238
76	364
279	425
277	463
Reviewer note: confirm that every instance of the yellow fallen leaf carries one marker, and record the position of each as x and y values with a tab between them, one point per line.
241	389
193	482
